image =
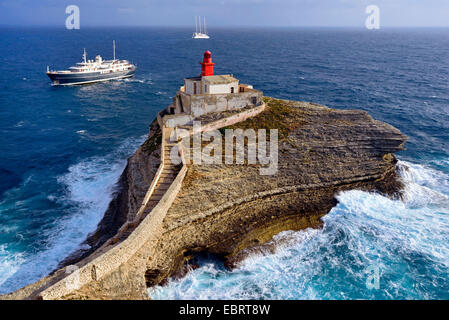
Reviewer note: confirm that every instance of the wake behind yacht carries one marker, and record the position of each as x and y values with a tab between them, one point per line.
90	71
202	34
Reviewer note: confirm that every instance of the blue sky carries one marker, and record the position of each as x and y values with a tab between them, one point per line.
394	13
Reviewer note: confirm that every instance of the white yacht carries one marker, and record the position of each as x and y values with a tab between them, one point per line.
202	34
90	71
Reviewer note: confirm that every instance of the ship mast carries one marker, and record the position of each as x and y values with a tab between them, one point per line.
199	21
84	55
113	46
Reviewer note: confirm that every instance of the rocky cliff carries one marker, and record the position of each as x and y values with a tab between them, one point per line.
228	210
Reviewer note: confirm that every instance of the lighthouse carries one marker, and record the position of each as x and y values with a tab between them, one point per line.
207	66
208	82
209	93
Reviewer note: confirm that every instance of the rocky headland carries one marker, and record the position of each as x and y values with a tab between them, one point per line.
231	210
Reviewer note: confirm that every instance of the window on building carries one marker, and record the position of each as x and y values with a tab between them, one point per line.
180	104
194	88
205	88
254	100
232	89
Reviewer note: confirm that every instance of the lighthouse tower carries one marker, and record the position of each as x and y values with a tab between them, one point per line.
207	66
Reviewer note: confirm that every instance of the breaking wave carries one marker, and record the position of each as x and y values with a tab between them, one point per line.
406	242
88	189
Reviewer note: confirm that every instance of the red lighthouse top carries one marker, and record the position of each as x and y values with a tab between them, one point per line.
207	66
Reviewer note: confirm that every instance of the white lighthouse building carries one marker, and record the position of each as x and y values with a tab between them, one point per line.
209	93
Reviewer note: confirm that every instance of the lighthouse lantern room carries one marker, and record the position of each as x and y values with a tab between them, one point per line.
207	66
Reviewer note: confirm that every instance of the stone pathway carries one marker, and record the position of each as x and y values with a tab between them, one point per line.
166	178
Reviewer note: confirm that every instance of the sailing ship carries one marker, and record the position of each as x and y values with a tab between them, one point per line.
202	34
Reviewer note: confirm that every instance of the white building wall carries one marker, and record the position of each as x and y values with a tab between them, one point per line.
189	86
221	88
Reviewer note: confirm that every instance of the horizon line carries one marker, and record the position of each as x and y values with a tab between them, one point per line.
221	26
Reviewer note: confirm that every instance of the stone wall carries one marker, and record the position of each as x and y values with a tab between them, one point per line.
225	122
202	104
174	120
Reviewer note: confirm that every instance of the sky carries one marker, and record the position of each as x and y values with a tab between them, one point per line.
227	13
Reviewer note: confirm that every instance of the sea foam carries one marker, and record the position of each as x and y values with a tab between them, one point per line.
89	186
406	242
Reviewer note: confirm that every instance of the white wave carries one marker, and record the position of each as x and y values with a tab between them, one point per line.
133	80
89	186
19	124
407	241
9	263
139	80
424	186
8	229
441	162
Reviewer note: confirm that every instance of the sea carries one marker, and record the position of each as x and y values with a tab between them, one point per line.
62	150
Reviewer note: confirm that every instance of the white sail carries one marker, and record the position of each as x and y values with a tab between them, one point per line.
199	32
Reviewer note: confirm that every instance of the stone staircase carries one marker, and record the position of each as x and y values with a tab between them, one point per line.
168	174
166	178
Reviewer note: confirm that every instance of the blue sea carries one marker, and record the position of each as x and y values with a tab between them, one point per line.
63	149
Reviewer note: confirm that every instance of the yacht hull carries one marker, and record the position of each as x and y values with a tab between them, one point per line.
200	36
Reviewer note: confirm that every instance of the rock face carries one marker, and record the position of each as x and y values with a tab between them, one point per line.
228	209
223	209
